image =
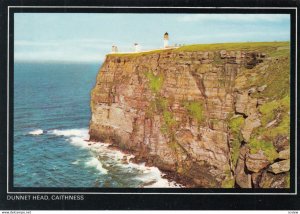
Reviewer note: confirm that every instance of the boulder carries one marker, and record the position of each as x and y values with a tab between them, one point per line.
281	166
205	55
242	178
256	176
251	123
241	102
245	104
251	60
281	143
256	162
269	180
251	90
223	54
284	154
261	88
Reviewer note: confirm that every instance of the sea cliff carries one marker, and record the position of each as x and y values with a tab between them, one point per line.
212	115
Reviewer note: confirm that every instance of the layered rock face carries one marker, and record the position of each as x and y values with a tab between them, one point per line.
189	113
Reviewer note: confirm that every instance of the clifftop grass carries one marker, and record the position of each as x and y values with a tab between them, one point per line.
271	48
246	46
133	54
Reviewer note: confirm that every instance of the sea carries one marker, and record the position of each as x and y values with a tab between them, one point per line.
51	120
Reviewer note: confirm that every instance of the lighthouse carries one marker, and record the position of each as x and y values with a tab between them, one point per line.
137	47
166	40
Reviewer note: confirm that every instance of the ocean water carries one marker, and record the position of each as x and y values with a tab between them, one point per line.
51	119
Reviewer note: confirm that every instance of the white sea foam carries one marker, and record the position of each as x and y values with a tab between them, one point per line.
94	162
77	137
150	176
153	176
83	133
80	142
36	132
75	162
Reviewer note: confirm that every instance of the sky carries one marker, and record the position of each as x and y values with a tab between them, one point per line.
88	37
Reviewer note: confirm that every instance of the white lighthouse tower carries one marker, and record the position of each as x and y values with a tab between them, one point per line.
166	40
137	47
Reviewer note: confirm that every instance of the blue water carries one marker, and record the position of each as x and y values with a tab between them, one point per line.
51	119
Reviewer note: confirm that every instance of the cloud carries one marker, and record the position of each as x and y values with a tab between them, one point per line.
234	17
57	56
51	43
77	50
238	35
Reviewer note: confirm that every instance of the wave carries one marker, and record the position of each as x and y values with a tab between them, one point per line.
94	162
71	132
107	159
75	162
152	177
77	137
36	132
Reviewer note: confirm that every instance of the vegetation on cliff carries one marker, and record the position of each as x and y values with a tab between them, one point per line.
155	82
195	110
235	125
267	147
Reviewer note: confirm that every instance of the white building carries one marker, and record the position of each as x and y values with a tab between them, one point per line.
137	48
166	40
114	49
